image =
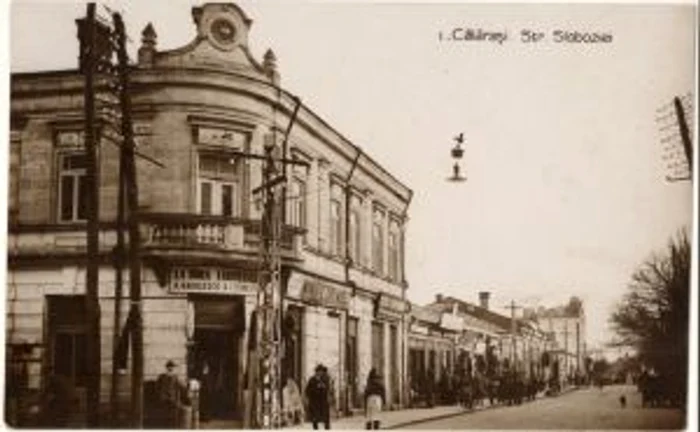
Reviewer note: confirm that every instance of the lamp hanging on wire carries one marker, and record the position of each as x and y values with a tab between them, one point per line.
457	152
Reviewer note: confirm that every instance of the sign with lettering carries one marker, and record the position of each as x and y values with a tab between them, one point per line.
451	322
320	294
419	329
221	137
71	139
392	304
212	286
208	281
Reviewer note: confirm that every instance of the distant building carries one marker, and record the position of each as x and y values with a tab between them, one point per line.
567	324
488	341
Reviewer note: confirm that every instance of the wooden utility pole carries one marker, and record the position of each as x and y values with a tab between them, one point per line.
119	254
135	310
265	374
89	56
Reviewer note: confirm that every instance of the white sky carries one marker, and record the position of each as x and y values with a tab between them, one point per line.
565	192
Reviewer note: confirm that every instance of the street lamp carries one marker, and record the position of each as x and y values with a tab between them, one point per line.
457	152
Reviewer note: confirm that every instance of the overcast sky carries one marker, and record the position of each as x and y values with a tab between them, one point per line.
565	193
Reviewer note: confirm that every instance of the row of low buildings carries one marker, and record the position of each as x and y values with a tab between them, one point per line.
450	336
196	108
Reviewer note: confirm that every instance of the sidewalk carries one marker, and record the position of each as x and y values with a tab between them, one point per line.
405	417
389	419
392	419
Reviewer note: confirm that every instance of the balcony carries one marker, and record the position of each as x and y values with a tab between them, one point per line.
219	234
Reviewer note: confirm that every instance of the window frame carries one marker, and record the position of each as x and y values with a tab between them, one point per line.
218	180
355	235
336	227
378	245
394	255
296	203
79	177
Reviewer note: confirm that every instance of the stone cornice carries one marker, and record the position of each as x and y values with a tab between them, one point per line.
69	81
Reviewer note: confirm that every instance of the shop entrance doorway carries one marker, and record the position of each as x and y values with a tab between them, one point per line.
216	355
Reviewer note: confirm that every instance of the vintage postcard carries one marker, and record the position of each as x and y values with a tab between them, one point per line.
352	215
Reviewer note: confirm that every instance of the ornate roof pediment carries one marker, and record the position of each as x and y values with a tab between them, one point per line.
221	41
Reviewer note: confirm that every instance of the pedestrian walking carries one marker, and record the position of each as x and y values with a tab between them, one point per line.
317	395
170	392
292	403
375	398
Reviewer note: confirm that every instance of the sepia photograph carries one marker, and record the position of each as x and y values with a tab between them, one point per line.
349	215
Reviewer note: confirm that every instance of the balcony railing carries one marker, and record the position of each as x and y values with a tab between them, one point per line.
186	230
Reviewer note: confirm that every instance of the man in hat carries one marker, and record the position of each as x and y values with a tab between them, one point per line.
169	392
317	394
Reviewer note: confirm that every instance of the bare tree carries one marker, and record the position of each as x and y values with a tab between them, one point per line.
653	316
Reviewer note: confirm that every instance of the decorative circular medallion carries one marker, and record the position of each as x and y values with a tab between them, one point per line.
223	31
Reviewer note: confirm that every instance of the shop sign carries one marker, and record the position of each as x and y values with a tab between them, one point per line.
418	329
212	286
206	281
221	137
391	304
317	293
451	322
71	139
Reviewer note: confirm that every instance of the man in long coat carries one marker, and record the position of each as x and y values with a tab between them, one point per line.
170	394
318	392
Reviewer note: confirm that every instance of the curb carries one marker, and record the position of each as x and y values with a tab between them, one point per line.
465	412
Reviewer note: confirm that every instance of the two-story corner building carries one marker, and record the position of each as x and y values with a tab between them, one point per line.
195	109
567	324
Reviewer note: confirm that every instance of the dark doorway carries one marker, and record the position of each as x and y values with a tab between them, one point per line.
351	365
219	323
216	365
394	363
378	347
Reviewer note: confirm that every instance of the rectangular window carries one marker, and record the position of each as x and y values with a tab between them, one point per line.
227	199
205	198
336	228
354	237
218	186
378	247
72	194
296	204
393	256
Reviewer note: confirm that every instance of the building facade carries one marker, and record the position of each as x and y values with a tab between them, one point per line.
196	109
567	325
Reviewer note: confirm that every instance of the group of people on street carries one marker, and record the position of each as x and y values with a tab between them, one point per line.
471	388
171	395
319	395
